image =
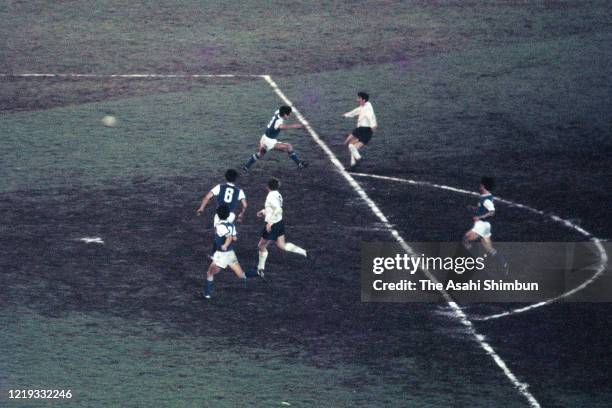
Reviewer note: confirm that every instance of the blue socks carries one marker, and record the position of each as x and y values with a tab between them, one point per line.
251	161
208	286
293	156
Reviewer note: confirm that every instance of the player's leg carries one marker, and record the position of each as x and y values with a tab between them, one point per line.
210	277
349	139
469	237
354	147
497	256
487	244
288	148
289	247
263	148
237	269
262	246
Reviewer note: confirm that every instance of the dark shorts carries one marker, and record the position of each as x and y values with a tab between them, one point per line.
278	230
364	134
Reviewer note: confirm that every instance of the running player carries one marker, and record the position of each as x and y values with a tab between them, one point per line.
225	236
269	140
228	194
482	229
366	124
275	226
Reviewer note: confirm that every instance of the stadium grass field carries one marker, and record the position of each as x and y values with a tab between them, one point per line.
521	91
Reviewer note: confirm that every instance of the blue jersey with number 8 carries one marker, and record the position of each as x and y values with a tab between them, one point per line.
228	195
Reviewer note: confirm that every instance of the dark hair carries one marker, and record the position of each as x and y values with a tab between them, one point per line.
231	175
488	183
363	96
273	184
223	211
284	110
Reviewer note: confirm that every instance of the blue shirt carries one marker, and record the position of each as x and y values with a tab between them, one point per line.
482	205
228	194
271	130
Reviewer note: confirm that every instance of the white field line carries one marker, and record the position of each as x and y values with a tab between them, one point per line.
603	256
521	387
152	76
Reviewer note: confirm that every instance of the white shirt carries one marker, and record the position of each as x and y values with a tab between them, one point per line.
274	207
225	230
366	116
488	204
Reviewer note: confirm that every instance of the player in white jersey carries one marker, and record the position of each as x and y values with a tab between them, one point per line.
269	140
481	230
275	226
228	194
366	124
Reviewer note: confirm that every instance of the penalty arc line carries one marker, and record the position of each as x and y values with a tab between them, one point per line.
603	255
521	387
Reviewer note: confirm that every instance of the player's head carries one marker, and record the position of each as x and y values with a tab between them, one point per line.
488	183
273	184
284	111
231	175
362	97
223	212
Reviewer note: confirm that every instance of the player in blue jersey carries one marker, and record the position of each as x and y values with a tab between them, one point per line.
224	256
228	194
482	227
269	139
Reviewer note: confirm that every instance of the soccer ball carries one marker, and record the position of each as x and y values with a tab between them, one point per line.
109	121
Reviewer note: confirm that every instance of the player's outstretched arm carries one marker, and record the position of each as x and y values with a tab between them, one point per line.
293	126
243	211
352	113
204	203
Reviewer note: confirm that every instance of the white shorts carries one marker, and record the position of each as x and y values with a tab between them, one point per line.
223	259
482	228
230	219
268	143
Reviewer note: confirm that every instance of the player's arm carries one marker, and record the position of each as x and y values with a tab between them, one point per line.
204	203
228	240
488	204
273	210
372	117
293	126
353	113
261	214
244	205
488	214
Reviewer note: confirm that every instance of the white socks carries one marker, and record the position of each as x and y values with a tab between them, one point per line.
262	259
354	152
295	249
263	255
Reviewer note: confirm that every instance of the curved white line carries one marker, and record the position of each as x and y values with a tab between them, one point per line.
603	256
521	387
